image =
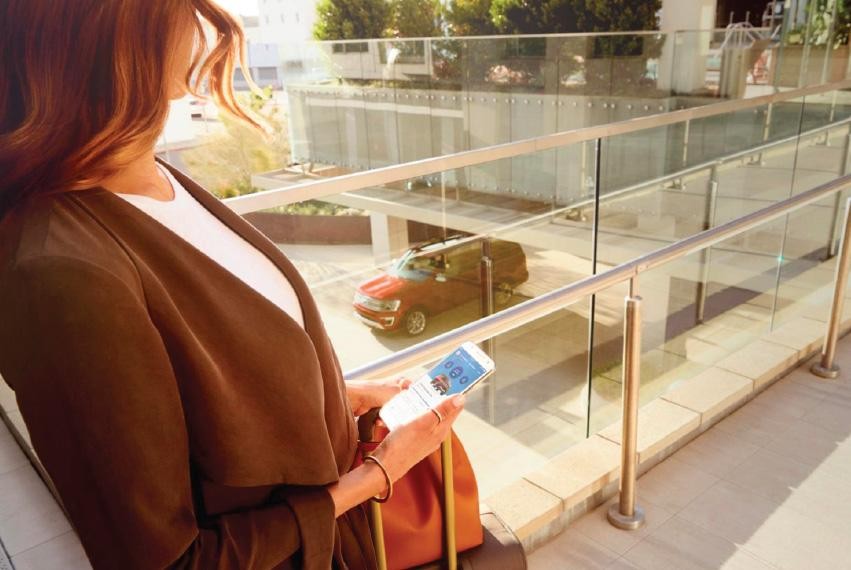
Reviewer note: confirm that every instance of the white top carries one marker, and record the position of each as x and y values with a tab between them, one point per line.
186	217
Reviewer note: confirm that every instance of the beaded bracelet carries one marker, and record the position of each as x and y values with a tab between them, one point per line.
386	477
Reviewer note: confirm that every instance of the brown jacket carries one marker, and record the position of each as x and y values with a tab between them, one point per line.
185	419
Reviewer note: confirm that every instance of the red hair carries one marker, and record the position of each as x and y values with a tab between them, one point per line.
84	85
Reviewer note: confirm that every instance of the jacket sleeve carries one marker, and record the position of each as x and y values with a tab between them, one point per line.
98	394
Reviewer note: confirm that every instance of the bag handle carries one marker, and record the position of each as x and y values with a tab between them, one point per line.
366	429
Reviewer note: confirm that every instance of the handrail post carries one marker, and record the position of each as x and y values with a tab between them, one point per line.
488	308
625	514
766	133
706	256
837	201
678	183
825	367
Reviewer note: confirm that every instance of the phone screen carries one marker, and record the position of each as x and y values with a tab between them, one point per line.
455	374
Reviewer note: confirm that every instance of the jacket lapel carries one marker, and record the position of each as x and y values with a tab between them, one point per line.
328	361
309	310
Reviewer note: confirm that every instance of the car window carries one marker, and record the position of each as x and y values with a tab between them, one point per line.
416	267
464	259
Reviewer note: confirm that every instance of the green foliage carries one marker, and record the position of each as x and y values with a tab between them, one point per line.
317	208
569	16
470	18
414	18
351	19
820	14
225	161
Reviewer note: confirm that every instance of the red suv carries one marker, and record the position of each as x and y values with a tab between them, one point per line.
434	277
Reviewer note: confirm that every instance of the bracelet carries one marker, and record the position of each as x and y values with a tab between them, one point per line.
386	477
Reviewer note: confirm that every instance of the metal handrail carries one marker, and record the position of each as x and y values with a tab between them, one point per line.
318	189
530	36
533	309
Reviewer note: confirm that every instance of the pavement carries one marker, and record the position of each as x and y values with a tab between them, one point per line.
764	489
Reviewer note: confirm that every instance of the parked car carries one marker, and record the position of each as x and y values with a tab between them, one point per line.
435	277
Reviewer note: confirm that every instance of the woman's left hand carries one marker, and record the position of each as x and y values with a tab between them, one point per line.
366	394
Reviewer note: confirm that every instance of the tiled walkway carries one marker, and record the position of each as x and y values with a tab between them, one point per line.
766	488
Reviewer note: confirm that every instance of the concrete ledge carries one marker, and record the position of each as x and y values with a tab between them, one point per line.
802	334
579	472
761	361
660	423
712	393
525	507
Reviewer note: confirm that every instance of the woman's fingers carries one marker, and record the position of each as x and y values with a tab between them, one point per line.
447	410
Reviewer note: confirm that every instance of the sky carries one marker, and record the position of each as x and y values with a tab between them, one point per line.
243	7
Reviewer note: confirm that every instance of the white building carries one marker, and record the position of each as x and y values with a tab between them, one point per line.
284	21
288	24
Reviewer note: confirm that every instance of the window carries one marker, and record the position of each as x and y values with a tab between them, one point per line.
267	73
297	19
350	47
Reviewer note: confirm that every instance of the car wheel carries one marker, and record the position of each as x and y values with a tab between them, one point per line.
415	321
502	294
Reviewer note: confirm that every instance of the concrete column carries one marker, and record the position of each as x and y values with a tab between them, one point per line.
389	236
682	66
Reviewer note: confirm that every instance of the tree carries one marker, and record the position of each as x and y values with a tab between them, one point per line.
225	161
619	15
566	16
470	18
414	18
351	19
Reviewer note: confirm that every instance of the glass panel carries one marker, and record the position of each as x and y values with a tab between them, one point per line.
535	406
696	311
812	233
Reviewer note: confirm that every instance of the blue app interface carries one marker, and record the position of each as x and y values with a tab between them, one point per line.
455	373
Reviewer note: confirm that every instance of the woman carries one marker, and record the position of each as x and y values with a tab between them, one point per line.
189	414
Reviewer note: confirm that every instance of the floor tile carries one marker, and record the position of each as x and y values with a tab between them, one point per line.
11	456
680	545
716	452
729	511
832	416
673	484
29	515
61	553
572	549
789	399
770	475
815	447
755	423
596	526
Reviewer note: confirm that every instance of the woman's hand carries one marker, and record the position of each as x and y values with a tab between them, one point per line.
365	394
408	444
403	448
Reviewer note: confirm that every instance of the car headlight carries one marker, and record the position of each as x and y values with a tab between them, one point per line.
377	304
392	305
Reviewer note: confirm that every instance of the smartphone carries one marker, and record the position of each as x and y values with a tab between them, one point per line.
456	374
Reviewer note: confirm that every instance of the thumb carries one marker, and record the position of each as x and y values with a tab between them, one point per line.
451	405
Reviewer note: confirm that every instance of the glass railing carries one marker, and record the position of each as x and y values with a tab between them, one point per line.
394	264
378	102
355	105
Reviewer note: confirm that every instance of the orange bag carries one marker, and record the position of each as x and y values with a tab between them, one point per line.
413	517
